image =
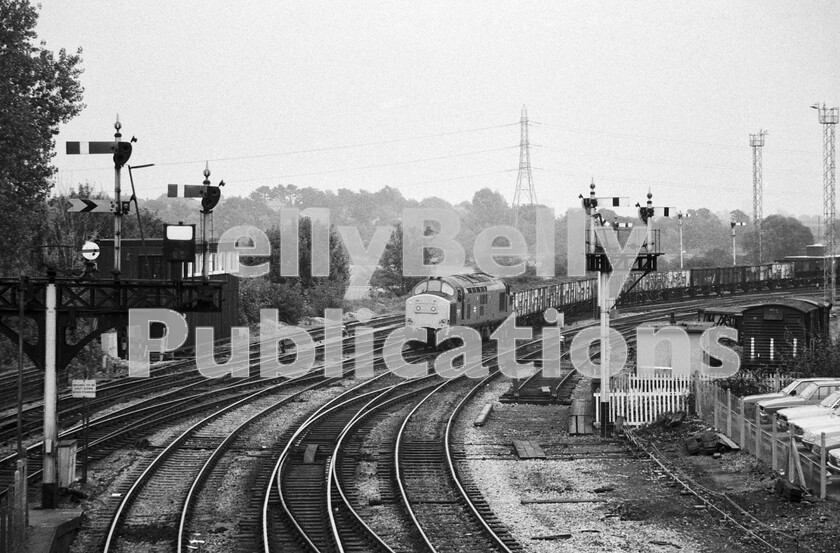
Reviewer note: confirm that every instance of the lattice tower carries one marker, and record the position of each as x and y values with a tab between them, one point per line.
828	119
757	143
524	180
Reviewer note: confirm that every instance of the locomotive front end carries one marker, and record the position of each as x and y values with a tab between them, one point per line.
429	307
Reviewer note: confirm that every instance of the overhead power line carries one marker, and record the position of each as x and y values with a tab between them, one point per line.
657	138
675	163
329	148
376	166
670	184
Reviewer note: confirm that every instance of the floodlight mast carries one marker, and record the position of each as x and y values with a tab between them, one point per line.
828	118
757	144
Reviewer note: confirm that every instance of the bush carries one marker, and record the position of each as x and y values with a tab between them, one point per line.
745	383
260	293
324	295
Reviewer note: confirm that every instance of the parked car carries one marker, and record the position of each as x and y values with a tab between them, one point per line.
812	439
833	460
822	423
792	389
813	393
791	414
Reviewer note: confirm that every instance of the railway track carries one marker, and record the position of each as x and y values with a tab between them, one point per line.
306	506
318	509
148	505
443	503
137	421
311	503
449	512
108	432
117	390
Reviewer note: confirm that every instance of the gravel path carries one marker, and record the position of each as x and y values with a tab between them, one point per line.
575	468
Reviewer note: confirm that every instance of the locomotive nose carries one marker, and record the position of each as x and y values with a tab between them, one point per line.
427	312
427	305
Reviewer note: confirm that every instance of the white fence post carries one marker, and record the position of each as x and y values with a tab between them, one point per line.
715	398
729	413
597	403
757	451
697	397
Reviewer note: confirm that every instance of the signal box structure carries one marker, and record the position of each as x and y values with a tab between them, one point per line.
148	262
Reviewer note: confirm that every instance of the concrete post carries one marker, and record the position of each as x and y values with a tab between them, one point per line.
822	466
757	451
49	489
604	299
729	413
742	423
21	510
698	402
716	406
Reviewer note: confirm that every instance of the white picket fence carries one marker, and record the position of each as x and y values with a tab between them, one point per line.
641	399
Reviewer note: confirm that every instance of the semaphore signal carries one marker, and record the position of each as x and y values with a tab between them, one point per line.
122	153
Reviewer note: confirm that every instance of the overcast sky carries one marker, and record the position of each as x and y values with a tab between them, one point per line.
427	99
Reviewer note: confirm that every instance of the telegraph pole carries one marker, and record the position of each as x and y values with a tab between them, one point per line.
828	117
757	143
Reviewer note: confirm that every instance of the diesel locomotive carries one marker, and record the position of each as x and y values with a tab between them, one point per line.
483	302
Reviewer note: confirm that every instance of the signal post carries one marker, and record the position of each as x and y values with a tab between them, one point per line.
598	261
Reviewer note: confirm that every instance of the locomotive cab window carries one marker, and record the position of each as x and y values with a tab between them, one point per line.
434	286
447	289
420	288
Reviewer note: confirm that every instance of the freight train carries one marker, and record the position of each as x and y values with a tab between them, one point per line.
706	281
483	302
